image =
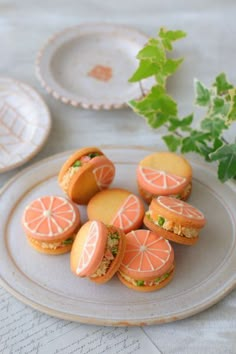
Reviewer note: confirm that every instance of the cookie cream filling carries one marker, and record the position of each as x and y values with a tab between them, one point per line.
52	245
171	226
73	169
147	282
110	254
67	178
183	195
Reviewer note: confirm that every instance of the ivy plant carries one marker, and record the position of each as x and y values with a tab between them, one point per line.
158	108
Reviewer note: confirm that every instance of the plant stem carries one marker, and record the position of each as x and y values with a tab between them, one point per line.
175	132
141	89
225	141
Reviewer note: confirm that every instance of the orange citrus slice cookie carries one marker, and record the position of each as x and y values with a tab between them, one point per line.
85	173
50	224
148	262
164	173
175	220
97	251
117	207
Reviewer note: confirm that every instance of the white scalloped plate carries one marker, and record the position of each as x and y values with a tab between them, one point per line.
89	65
205	273
25	123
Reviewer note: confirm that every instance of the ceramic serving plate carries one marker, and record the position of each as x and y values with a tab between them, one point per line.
205	273
89	65
25	123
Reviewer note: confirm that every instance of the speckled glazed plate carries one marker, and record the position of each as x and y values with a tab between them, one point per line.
25	123
89	65
205	273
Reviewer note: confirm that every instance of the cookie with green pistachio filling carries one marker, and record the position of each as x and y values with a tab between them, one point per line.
97	251
174	220
85	173
164	173
51	223
148	262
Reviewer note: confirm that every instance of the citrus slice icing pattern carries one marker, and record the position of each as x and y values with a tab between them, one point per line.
89	248
128	213
49	216
145	254
104	175
161	179
179	207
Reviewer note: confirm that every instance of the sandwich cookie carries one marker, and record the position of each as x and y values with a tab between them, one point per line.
97	251
50	224
164	173
148	262
117	207
85	173
174	220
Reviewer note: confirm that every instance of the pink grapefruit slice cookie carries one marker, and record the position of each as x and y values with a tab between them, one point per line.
164	173
50	224
104	175
148	262
97	251
117	207
85	173
175	220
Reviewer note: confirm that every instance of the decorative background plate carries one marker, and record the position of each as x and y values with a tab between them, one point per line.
205	273
25	123
89	65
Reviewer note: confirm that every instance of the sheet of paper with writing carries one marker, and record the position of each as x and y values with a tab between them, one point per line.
26	331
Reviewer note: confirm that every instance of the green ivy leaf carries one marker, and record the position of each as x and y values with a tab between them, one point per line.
221	84
232	112
161	78
202	94
220	107
171	35
145	105
168	37
153	41
145	69
156	92
194	142
214	125
153	52
226	155
183	124
156	120
171	65
217	144
157	101
172	142
133	104
205	150
167	105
